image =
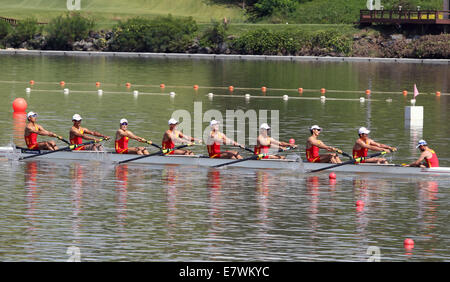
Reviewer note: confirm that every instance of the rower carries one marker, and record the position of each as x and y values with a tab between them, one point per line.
122	137
172	135
78	133
364	144
428	157
264	142
313	145
32	130
215	139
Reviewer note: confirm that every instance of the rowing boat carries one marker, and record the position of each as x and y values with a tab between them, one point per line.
199	160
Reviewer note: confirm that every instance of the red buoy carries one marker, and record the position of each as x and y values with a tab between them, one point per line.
19	105
408	243
292	141
359	203
332	175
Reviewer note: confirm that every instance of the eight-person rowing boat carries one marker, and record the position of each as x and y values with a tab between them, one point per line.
262	158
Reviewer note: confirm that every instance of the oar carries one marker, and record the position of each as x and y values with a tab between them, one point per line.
254	157
64	140
344	154
350	161
154	145
71	147
160	153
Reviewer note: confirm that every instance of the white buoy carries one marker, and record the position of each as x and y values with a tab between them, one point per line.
100	92
285	97
323	98
172	94
66	90
28	90
210	95
247	96
362	99
413	102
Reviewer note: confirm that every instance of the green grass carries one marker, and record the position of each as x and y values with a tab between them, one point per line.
108	12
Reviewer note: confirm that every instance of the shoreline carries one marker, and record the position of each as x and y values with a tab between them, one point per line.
220	56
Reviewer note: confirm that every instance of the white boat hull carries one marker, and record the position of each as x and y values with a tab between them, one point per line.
9	152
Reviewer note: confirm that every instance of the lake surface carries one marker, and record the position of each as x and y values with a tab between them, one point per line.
147	213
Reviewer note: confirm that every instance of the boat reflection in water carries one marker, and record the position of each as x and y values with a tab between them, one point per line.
78	175
121	173
428	214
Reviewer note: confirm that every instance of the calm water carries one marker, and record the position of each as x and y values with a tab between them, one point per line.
146	213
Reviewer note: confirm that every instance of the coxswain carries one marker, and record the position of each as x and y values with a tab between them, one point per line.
217	138
172	136
264	143
428	157
313	145
364	144
32	130
78	134
122	137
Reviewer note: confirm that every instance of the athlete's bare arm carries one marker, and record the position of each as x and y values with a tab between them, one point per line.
320	144
76	132
421	158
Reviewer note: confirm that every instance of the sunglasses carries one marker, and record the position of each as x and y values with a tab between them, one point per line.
124	123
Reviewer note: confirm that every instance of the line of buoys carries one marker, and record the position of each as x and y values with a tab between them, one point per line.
438	93
27	90
100	92
362	99
196	87
19	105
300	90
231	88
405	92
172	94
31	82
368	92
263	89
62	83
210	95
66	90
323	90
127	85
97	84
135	93
247	96
285	97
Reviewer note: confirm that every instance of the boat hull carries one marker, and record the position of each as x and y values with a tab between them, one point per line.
290	164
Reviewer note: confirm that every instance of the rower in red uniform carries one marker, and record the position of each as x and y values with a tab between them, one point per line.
264	143
78	133
122	137
364	144
32	130
217	138
313	145
172	135
428	158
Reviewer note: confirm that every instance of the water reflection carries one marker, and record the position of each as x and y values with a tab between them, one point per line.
312	185
428	212
169	176
121	173
78	178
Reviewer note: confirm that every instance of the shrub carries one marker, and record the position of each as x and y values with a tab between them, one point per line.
5	29
215	35
433	47
162	34
265	42
64	30
25	30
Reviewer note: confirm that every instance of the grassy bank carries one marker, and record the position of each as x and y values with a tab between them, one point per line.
109	12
